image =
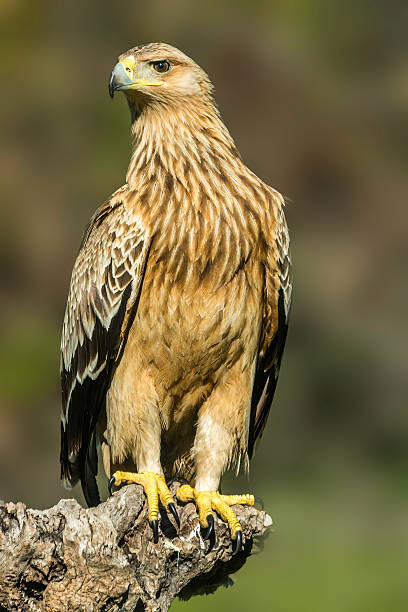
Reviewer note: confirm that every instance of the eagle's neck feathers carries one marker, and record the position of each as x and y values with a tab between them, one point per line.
192	187
172	138
184	155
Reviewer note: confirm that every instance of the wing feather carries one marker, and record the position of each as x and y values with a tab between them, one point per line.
105	287
277	300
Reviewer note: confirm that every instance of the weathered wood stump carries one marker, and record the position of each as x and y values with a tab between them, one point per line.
103	558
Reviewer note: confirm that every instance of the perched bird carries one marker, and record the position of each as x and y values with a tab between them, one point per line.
178	305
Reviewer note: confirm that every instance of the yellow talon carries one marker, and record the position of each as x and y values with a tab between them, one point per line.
155	488
166	497
206	501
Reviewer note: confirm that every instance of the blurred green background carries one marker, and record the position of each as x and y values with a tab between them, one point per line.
315	94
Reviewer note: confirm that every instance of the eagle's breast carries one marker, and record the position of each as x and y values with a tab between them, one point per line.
200	305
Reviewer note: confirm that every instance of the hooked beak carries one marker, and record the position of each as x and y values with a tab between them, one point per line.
121	81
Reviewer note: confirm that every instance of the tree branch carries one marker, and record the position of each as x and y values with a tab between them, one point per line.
103	558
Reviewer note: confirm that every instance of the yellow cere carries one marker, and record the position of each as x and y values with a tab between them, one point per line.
129	65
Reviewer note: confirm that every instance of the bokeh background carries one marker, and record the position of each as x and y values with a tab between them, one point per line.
315	94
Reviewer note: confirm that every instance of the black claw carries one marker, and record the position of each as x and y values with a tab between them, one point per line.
237	546
210	528
111	86
155	528
110	484
174	512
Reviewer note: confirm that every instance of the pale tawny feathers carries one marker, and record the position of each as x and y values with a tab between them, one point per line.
177	312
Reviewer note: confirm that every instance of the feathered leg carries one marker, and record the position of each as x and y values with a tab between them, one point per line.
134	431
220	440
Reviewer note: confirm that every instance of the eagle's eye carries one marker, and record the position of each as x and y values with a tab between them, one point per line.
161	66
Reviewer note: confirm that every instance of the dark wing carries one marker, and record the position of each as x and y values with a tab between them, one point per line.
102	302
277	298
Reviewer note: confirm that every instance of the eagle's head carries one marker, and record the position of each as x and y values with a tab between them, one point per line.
158	72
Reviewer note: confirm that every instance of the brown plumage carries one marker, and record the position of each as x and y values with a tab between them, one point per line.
177	311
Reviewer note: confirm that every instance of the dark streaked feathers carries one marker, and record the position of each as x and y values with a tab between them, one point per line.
105	285
277	301
266	378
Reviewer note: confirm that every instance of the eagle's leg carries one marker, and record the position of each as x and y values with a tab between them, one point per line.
133	422
220	440
155	488
207	501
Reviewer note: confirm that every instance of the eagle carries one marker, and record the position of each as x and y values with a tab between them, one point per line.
178	305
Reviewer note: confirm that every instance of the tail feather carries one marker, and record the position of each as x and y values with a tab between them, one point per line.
89	472
83	467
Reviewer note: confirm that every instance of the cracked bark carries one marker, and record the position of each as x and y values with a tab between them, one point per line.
103	558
